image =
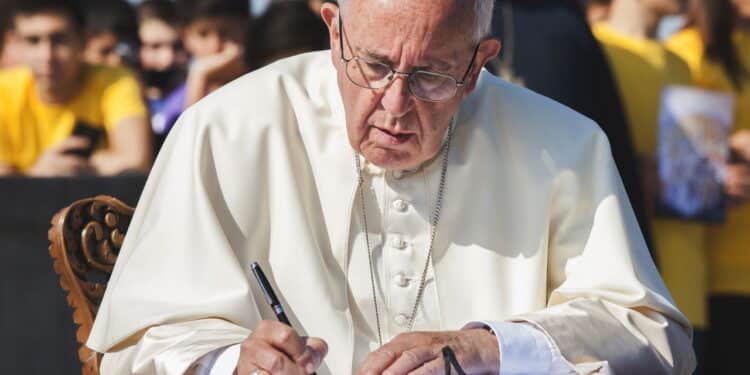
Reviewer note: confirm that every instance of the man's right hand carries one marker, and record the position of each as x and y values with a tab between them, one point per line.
58	161
275	348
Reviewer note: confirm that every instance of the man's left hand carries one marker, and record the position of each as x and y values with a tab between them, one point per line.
420	353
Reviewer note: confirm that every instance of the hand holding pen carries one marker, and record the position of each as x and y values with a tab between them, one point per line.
274	347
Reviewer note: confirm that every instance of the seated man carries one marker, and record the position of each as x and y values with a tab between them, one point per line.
401	200
52	109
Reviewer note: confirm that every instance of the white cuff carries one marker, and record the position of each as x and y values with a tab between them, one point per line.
221	361
525	349
227	361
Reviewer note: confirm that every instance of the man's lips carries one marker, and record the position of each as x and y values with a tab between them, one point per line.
391	138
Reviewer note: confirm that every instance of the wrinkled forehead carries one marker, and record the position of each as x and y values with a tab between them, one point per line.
412	27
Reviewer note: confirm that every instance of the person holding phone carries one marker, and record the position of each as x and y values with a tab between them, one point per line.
53	108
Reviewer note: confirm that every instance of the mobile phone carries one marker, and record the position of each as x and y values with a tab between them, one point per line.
85	130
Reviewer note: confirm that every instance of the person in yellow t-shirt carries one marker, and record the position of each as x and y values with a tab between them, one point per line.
716	46
643	68
47	105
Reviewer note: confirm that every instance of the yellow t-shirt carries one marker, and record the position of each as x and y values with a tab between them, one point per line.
28	126
729	243
642	69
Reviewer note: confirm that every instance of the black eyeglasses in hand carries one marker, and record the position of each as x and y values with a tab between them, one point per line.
449	358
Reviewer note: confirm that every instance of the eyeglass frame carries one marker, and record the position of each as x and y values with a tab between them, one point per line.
391	76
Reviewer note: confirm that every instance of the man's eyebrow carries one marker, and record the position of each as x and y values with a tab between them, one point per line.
437	65
372	55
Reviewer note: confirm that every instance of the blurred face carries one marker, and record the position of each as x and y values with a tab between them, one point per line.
389	126
742	7
50	45
209	36
160	45
101	49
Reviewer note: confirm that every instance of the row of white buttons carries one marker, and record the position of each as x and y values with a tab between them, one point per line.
397	242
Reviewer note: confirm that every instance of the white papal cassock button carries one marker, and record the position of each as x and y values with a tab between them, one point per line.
401	319
398	174
398	243
400	205
401	280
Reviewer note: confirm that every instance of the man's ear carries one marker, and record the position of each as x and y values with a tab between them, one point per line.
488	50
330	14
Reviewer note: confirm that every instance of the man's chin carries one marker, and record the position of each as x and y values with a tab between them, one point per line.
390	159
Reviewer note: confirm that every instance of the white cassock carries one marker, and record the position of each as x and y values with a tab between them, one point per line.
535	227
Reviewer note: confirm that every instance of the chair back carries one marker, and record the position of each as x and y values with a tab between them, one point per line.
85	240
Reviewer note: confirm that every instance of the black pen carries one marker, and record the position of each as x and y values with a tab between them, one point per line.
265	286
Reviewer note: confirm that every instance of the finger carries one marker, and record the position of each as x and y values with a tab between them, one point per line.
282	337
433	367
410	360
314	354
72	143
378	361
258	354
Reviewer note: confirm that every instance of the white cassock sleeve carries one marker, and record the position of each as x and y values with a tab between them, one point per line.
595	323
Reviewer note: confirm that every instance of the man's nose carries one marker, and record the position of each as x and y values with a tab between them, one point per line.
45	51
397	100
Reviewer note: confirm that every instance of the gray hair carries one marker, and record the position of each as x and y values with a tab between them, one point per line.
482	17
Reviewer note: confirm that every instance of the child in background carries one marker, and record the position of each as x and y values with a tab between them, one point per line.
163	63
111	33
214	36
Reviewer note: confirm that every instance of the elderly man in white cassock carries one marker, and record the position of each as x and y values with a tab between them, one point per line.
401	199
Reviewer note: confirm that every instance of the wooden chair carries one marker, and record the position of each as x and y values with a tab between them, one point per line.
85	240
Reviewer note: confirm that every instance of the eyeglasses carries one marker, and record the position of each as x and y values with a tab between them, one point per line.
450	361
424	85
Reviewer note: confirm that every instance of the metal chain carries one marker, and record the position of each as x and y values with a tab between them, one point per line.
369	249
433	234
433	229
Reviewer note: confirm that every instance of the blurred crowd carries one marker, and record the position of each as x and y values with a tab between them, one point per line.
94	87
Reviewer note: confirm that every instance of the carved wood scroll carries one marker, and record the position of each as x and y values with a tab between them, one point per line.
85	240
